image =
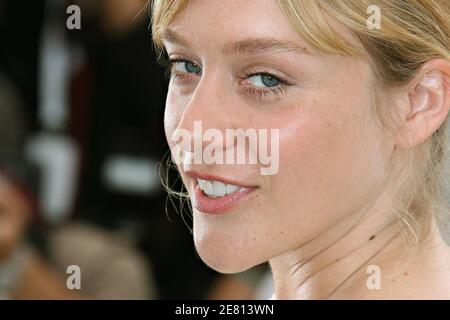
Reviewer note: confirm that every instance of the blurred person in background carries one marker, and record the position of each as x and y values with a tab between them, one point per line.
23	273
33	251
111	268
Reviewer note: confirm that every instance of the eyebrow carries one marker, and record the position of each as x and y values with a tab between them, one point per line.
245	46
173	37
261	45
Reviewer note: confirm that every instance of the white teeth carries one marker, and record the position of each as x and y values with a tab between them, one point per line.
216	188
219	188
208	188
231	188
201	183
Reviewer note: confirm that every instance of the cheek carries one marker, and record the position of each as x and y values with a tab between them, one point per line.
309	150
329	162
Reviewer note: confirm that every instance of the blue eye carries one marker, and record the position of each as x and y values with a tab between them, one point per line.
264	80
186	67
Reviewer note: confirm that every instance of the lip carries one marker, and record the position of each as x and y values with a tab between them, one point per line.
219	205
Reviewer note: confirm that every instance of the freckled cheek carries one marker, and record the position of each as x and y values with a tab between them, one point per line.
307	153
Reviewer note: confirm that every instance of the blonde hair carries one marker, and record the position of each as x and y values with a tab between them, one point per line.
412	32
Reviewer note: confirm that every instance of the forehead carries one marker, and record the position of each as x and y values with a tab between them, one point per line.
217	22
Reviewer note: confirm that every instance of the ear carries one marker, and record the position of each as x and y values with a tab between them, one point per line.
428	103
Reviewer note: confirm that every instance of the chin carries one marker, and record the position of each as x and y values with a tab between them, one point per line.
223	255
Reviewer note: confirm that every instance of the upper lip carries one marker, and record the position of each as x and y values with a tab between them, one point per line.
205	176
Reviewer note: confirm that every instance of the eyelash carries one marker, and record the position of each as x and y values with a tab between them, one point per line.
249	90
268	91
171	74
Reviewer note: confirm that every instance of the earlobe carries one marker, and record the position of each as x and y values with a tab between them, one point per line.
429	104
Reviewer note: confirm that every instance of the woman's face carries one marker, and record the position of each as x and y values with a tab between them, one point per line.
240	64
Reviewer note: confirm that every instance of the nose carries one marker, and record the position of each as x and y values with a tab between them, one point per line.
209	107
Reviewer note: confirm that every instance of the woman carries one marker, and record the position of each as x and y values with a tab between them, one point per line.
360	93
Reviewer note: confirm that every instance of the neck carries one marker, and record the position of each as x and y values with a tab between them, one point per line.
335	265
337	259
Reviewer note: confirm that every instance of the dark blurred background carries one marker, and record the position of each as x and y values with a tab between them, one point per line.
81	145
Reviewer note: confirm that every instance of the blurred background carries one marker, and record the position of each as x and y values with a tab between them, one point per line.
81	144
